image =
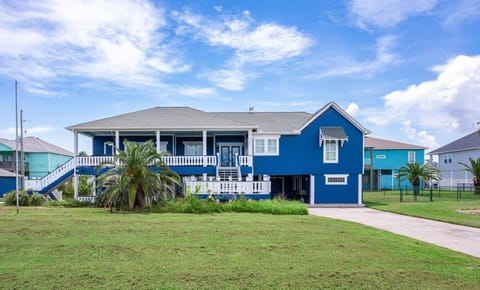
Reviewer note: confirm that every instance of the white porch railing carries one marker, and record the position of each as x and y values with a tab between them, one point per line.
245	160
93	160
169	160
90	198
229	187
38	184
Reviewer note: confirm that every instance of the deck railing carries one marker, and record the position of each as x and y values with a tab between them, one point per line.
38	184
229	187
245	160
169	160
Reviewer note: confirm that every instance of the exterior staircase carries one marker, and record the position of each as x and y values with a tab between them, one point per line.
228	174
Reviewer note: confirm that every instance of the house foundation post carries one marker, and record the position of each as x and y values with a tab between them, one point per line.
312	189
75	153
158	141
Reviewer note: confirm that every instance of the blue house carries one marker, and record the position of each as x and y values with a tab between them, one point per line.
317	158
7	181
383	158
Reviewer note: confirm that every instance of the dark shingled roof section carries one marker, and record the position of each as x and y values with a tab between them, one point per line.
35	144
378	143
333	133
471	141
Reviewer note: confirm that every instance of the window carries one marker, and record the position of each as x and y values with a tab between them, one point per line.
259	146
411	156
330	151
193	148
447	158
163	146
336	179
272	146
108	148
266	145
381	156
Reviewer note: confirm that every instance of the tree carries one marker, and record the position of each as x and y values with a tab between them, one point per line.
137	177
474	169
415	172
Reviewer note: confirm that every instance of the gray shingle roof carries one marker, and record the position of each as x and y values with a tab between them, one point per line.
5	173
270	122
180	118
162	118
35	144
378	143
468	142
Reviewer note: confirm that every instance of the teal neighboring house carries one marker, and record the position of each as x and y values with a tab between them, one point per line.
41	157
383	158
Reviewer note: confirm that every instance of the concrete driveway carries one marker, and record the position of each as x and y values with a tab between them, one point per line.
458	238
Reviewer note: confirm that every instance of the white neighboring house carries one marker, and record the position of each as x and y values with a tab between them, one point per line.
449	156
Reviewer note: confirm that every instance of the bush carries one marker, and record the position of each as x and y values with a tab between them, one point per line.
192	204
11	198
36	199
69	203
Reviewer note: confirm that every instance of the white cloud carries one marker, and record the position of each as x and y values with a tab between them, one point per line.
387	13
460	11
446	104
421	138
195	92
383	57
218	8
352	109
117	41
251	44
9	133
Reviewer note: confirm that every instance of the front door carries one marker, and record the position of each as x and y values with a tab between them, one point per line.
227	155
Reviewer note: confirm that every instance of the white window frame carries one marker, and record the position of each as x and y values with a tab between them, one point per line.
448	158
381	156
411	157
329	182
266	139
162	143
196	143
325	160
108	144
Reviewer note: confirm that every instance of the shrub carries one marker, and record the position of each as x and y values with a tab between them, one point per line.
36	199
69	203
11	198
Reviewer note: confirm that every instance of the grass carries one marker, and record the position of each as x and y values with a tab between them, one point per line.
443	208
78	248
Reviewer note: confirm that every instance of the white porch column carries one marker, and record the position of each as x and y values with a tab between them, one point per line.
360	197
75	153
250	143
204	147
312	189
117	141
158	141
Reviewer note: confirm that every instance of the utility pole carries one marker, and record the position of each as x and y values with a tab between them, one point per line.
22	153
16	144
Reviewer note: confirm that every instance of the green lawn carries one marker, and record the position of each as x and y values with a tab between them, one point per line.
65	248
444	207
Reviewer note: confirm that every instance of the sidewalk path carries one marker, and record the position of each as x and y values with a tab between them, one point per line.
455	237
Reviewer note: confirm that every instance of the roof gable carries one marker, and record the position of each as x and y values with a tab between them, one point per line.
378	143
342	112
468	142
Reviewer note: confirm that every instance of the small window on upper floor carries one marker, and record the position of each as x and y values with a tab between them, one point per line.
411	157
330	151
447	158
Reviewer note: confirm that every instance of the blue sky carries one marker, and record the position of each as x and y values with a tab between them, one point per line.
407	70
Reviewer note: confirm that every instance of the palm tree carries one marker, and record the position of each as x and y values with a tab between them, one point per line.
415	172
474	169
137	177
